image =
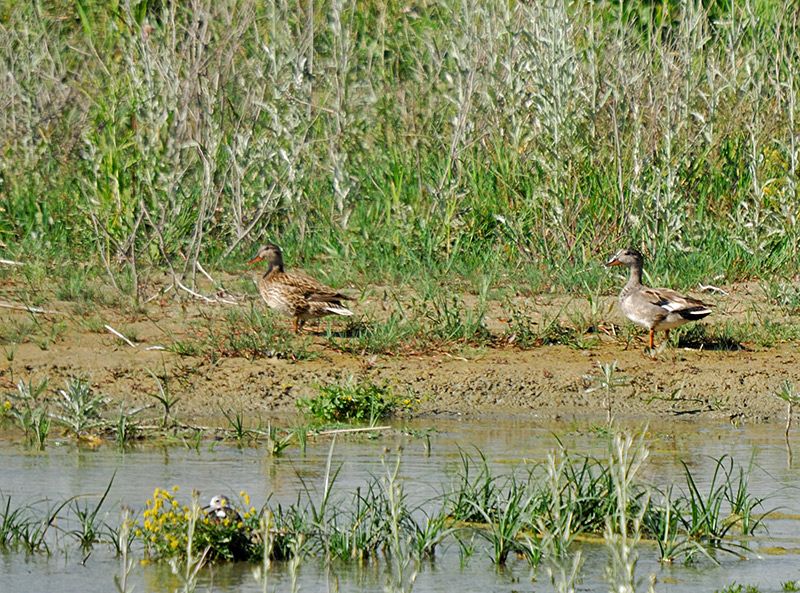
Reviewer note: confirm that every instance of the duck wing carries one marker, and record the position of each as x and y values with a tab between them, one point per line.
674	302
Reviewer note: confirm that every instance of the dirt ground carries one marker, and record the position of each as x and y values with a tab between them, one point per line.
544	381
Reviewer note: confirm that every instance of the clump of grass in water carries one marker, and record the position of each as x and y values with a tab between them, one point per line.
623	532
789	394
557	527
122	543
569	495
89	531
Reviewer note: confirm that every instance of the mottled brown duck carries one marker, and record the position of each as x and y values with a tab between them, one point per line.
295	294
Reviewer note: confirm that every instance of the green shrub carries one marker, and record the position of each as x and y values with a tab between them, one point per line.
352	402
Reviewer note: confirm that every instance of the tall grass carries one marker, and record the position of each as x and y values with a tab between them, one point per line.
445	138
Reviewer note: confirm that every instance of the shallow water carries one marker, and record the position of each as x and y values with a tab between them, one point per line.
64	471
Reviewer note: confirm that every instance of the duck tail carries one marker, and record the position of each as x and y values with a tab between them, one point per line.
694	313
338	309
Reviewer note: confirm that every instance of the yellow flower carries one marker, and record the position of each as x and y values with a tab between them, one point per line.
6	405
245	498
175	488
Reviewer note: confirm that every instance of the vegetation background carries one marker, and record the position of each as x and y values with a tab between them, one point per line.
472	141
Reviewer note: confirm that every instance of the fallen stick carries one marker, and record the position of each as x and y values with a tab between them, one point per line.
711	288
11	262
160	293
346	430
194	294
204	273
205	298
120	336
5	305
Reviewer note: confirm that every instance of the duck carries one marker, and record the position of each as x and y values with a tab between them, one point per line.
656	309
219	508
295	294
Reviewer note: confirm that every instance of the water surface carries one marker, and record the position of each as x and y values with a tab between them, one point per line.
64	471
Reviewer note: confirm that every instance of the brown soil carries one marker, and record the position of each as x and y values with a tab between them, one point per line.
545	381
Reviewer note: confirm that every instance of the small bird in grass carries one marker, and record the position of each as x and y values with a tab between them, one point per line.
219	509
654	308
294	294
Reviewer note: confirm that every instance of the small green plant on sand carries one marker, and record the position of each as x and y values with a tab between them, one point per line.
354	401
28	408
608	381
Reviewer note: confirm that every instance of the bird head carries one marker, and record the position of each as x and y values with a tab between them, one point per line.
625	257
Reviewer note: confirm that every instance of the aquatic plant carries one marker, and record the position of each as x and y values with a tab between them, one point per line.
122	542
789	394
166	527
623	526
705	520
89	529
236	423
556	526
534	512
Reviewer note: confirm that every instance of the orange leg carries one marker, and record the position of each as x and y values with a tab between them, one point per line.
296	325
666	335
652	335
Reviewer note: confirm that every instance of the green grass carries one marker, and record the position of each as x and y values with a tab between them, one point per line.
354	401
527	172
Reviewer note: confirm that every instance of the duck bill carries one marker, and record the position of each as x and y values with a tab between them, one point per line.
613	262
255	260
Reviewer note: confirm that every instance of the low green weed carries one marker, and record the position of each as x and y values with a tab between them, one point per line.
79	408
524	332
353	401
738	588
252	334
29	409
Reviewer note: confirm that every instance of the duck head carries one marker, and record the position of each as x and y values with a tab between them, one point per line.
625	257
270	253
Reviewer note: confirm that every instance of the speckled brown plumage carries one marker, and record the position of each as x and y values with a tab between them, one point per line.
295	294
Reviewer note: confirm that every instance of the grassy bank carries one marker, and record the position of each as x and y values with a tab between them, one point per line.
464	140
